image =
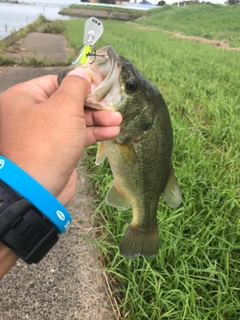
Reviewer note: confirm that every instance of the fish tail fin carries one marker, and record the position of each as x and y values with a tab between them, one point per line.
136	243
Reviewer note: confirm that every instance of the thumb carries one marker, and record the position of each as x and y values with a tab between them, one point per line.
73	90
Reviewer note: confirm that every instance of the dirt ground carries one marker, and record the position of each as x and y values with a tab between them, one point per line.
215	43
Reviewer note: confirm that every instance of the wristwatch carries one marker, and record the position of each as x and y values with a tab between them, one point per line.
31	218
23	228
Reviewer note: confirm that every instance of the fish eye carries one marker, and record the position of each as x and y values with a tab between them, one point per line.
132	84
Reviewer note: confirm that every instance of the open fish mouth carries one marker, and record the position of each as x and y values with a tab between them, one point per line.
105	88
104	70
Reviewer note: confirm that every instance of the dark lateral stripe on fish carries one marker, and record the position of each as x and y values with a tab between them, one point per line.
136	243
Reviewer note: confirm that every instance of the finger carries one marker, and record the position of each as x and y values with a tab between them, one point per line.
47	84
96	134
102	118
35	90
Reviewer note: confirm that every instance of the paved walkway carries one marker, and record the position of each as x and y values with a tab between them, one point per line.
52	47
67	284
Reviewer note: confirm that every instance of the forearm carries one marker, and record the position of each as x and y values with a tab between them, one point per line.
38	115
7	259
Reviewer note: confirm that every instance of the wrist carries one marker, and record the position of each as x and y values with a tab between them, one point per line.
31	190
39	170
30	217
7	259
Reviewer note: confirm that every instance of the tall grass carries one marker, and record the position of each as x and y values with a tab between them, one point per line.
196	273
212	22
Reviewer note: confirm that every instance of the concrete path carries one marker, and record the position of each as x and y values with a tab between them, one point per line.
51	47
67	283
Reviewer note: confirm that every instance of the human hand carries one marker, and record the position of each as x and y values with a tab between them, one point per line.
44	129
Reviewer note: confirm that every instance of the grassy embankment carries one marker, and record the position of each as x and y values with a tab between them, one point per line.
211	22
111	12
196	273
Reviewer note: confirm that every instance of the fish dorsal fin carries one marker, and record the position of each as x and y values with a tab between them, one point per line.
101	154
115	199
171	193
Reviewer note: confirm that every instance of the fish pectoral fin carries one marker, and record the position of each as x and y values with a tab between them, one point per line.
137	242
171	193
101	154
126	151
116	199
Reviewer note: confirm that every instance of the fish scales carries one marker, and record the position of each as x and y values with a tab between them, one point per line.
143	180
140	156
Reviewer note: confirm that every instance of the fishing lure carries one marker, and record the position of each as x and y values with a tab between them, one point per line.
93	30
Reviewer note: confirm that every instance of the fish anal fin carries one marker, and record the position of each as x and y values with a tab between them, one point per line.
136	242
171	193
101	154
116	199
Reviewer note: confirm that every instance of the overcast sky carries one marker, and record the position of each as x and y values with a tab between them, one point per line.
68	2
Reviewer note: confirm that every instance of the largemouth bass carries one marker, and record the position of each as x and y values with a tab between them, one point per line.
141	155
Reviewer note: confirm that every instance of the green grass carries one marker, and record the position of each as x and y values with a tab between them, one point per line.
212	22
196	273
6	61
54	27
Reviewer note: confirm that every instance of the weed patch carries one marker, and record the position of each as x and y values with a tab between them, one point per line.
6	61
54	27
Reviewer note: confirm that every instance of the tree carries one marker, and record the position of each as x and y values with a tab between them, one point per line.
161	3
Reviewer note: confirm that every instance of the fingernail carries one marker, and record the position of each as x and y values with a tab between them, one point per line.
81	73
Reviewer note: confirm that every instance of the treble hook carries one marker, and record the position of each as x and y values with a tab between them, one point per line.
94	54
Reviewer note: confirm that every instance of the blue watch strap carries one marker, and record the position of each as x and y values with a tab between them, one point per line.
35	193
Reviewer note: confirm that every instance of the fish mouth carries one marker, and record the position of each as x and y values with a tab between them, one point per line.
103	68
105	86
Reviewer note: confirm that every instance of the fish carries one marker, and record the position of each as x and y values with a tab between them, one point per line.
140	156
